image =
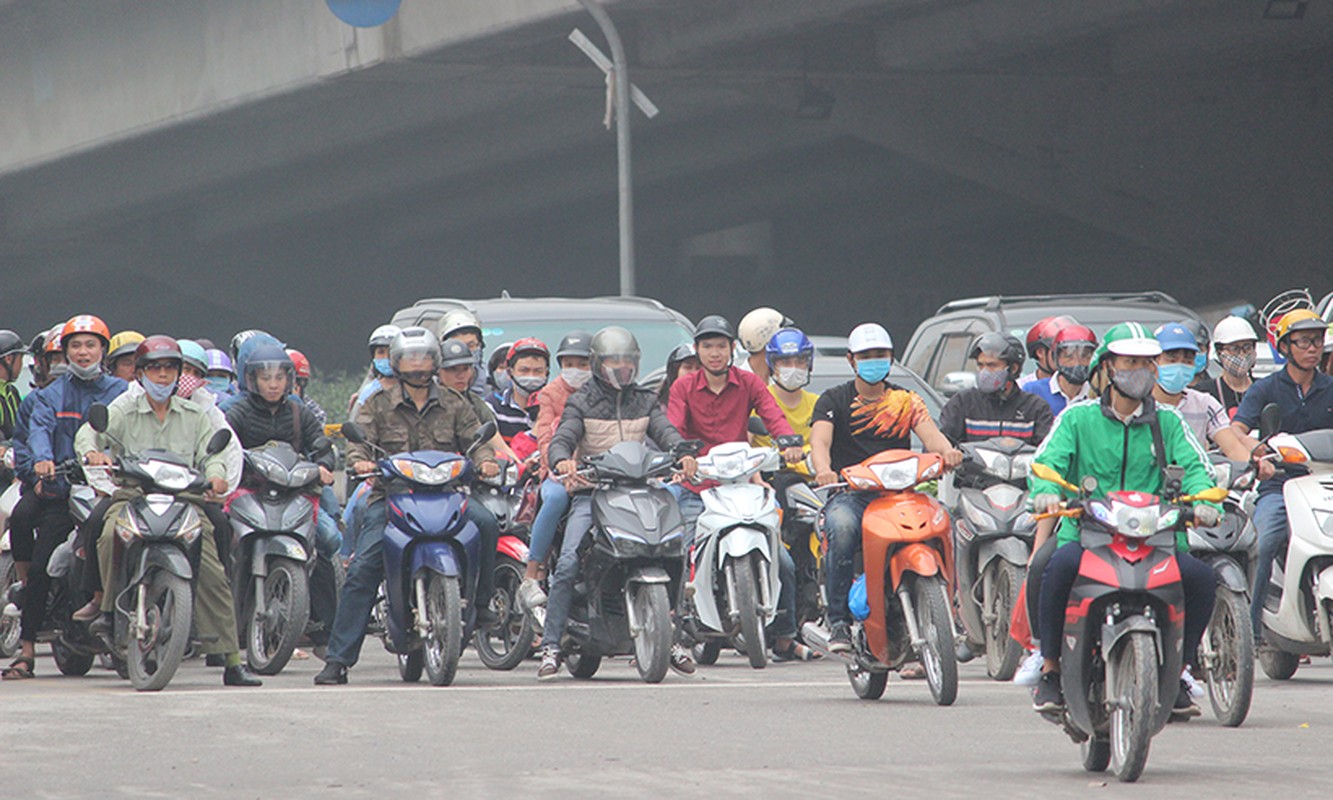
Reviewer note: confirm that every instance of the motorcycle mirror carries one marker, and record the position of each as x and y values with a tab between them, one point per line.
322	446
688	447
1270	420
1047	474
795	440
1088	484
1214	495
221	438
98	417
484	434
756	427
352	433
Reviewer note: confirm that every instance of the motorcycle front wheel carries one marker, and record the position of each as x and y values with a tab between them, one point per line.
168	605
746	572
1228	661
9	626
867	685
935	623
444	616
583	665
506	645
272	638
411	664
69	662
1132	698
1002	583
652	644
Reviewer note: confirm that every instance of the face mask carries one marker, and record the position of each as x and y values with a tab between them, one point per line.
1135	384
530	383
1077	374
1200	363
1173	378
575	377
417	380
382	368
187	385
619	377
991	381
219	385
791	378
57	370
159	394
88	373
874	370
502	381
1237	366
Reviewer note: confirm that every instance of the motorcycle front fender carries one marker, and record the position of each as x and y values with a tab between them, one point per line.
740	541
276	547
169	559
1013	550
915	558
1230	575
1323	592
648	575
513	547
435	557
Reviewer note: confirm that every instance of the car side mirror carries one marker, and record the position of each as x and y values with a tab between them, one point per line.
98	417
955	382
1270	420
221	438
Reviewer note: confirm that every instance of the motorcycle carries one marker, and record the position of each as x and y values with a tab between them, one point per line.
735	584
992	534
1124	622
430	551
9	574
273	552
159	534
908	555
631	566
510	496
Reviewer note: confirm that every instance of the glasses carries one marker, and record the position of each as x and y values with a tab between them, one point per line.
1307	342
161	366
1239	348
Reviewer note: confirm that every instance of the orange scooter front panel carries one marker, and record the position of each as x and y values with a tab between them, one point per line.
905	532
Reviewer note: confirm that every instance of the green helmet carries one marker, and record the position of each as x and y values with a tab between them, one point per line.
1127	339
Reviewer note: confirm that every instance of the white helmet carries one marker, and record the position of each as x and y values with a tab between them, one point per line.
414	342
758	326
383	336
869	336
1233	329
458	320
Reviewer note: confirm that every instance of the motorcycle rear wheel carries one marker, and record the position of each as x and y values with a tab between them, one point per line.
1229	669
1278	665
706	653
652	644
270	643
1003	652
153	662
583	665
444	615
1096	754
1133	699
9	626
747	601
69	662
935	623
867	685
506	645
411	664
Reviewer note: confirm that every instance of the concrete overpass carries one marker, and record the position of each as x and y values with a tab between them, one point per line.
210	165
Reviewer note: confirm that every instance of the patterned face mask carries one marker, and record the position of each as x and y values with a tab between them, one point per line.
1237	365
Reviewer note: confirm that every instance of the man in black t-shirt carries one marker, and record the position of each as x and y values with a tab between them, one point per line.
852	422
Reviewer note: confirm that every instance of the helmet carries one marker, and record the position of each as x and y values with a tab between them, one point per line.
1328	340
52	344
1075	335
10	343
612	342
869	336
414	341
454	353
459	320
300	363
382	336
680	353
1127	339
575	343
157	348
1000	345
527	346
758	326
713	325
123	344
789	342
268	356
1175	336
1042	333
1302	319
1233	329
85	323
38	344
192	353
218	360
1199	331
239	339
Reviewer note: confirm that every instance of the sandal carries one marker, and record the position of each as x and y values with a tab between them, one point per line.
20	670
796	652
912	672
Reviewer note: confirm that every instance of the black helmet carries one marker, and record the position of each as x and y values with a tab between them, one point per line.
682	352
38	344
267	356
714	325
575	343
453	353
10	343
999	345
615	342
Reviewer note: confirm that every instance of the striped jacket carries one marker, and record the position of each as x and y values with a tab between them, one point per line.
973	415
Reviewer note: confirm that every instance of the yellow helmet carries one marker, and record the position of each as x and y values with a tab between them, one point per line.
123	344
1302	319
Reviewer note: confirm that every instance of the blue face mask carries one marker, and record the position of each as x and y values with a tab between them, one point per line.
159	393
382	368
1173	378
1200	362
873	370
219	386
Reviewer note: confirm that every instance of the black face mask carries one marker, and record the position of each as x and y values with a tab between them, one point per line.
1077	374
417	380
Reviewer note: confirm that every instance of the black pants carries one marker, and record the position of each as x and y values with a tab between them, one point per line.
53	525
23	525
1038	566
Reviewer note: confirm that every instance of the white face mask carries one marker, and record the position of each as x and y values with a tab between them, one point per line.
791	378
575	377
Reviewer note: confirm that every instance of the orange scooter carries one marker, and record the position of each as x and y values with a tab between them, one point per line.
907	550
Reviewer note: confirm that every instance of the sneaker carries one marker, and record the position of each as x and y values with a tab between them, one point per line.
1049	696
1029	672
550	666
486	617
103	625
530	594
333	674
1185	706
15	594
840	638
681	660
1196	689
963	652
11	611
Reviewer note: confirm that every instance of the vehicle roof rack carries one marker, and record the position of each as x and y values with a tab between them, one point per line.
995	302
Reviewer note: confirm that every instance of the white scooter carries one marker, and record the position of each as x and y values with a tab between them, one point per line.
9	613
737	540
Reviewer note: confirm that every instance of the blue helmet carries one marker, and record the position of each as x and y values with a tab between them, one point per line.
1175	336
789	342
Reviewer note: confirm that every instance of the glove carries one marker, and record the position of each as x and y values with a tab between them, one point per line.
1045	503
1206	516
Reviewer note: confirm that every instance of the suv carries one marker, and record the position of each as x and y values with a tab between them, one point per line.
939	347
504	319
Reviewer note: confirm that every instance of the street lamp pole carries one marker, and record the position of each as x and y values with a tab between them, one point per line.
620	90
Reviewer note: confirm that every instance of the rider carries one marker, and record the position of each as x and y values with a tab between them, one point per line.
120	354
1305	397
415	414
681	361
301	367
381	373
1040	341
852	422
1235	343
608	410
754	331
220	375
996	406
1114	441
1074	345
1201	379
12	350
464	326
158	418
527	364
1176	366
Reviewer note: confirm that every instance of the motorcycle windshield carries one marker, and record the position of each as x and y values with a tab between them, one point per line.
631	461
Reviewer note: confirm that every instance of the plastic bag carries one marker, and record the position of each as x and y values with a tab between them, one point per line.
857	601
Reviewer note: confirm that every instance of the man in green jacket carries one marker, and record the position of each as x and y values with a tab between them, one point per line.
1112	440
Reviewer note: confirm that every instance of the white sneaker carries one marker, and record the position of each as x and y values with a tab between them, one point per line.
1029	672
1196	689
530	594
12	611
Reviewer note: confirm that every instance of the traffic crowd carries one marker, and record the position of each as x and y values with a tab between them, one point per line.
1115	407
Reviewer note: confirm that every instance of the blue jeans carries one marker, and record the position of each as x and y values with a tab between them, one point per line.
842	526
784	623
554	504
691	506
1270	521
561	594
353	517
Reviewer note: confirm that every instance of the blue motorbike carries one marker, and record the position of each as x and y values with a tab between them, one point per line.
431	552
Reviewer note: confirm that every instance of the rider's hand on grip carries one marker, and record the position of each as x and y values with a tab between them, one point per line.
1045	503
1206	516
825	477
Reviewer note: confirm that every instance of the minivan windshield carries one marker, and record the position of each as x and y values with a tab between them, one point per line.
656	338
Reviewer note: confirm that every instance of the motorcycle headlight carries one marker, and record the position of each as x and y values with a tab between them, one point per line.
1024	521
127	530
1325	520
172	477
899	474
305	474
430	476
976	515
190	530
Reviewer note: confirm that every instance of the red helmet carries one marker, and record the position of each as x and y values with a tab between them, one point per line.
528	346
300	363
1042	334
86	323
157	348
1075	334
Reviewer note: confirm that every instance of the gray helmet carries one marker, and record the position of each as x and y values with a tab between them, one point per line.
454	353
681	352
458	321
382	336
10	343
575	343
1200	331
414	341
999	345
714	325
615	342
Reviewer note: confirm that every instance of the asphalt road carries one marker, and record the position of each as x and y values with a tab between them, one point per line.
789	730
